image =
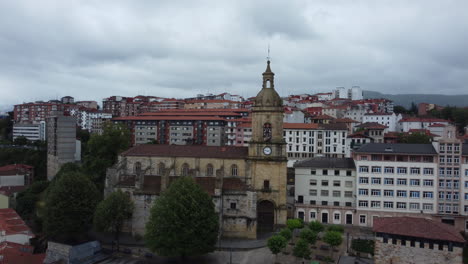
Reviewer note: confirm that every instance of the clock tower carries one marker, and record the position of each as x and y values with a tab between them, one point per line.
267	155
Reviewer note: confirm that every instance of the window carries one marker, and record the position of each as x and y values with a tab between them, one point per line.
456	184
414	182
428	195
362	219
388	205
388	193
401	193
375	180
428	171
456	172
363	169
363	192
337	172
441	183
363	157
336	193
324	202
337	183
209	170
456	196
266	184
401	181
348	173
336	203
363	180
185	169
415	170
428	207
414	194
363	203
233	205
401	170
441	172
313	172
313	182
375	204
324	172
449	184
313	192
313	215
428	183
324	192
336	217
401	205
348	194
324	183
388	170
442	195
161	168
234	170
448	171
348	184
376	169
388	181
375	192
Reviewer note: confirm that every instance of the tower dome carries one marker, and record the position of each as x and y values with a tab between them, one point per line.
268	96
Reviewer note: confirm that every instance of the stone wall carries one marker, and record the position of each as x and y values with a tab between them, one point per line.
386	253
68	254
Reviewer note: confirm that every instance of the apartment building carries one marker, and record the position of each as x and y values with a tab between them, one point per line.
325	190
390	120
395	180
34	113
32	132
316	140
406	124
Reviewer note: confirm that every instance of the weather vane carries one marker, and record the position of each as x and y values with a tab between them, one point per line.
268	57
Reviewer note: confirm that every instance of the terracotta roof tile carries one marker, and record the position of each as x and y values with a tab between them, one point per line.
299	126
417	227
372	125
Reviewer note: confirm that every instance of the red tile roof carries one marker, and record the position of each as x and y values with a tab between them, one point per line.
372	125
9	190
225	152
417	227
14	169
155	118
11	223
323	117
418	119
345	120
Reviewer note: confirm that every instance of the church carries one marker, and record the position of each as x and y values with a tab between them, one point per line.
247	184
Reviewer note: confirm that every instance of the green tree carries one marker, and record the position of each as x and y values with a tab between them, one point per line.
21	140
309	236
69	207
301	250
276	243
316	226
286	233
414	138
183	221
337	228
112	212
26	200
101	151
398	109
413	109
294	224
333	238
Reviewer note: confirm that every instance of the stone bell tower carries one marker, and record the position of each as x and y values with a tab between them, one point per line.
267	155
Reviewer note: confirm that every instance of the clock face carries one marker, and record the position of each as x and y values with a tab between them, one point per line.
267	150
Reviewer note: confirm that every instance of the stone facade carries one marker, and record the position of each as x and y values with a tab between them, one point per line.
386	253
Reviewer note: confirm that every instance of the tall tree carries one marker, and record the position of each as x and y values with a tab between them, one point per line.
276	243
301	250
69	207
102	151
112	212
333	238
183	221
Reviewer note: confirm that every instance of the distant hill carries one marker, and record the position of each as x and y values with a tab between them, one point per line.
406	99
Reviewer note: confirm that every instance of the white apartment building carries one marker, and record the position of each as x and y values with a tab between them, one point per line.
90	119
386	119
354	93
32	132
316	140
395	180
356	112
325	190
419	123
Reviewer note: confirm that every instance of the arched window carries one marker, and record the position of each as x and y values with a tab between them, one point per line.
209	170
138	168
267	132
234	170
268	83
161	168
185	169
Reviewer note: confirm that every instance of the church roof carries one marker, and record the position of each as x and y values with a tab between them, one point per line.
224	152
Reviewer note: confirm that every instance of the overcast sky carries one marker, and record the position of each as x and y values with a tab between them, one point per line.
94	49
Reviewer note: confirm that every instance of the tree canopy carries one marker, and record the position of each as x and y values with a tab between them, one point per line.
414	138
69	207
301	250
286	233
308	235
333	238
316	226
183	221
101	151
112	212
276	243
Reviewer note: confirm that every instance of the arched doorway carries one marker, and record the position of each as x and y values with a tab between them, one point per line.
265	216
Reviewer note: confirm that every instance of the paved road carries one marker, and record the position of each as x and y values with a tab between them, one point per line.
257	256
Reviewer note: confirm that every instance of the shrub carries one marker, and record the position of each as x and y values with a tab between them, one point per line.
336	228
316	226
363	245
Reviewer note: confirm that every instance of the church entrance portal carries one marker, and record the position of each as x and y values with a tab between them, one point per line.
265	216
